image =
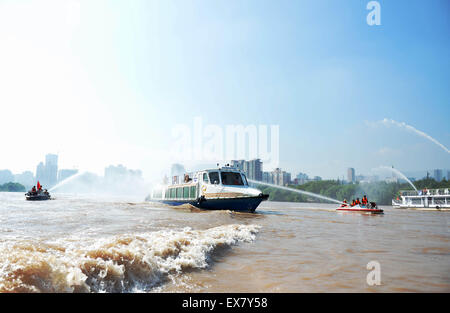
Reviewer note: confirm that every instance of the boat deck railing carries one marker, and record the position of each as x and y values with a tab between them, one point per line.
426	192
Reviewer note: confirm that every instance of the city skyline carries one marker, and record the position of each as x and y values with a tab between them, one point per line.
253	168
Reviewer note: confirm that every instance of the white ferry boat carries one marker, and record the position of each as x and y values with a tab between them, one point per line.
427	199
224	188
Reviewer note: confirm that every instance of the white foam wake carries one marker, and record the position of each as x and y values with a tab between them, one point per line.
118	264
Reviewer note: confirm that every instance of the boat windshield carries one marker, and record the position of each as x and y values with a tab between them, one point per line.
214	178
245	180
230	178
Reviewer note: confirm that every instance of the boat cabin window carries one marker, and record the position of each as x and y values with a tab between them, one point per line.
185	192
214	178
205	178
230	178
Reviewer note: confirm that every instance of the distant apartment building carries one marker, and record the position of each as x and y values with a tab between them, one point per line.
51	169
367	179
121	173
25	178
40	173
6	176
351	178
448	175
267	177
286	178
115	172
437	174
255	169
66	173
252	168
47	174
301	179
277	176
281	177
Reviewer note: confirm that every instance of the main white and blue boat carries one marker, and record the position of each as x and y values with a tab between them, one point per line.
224	188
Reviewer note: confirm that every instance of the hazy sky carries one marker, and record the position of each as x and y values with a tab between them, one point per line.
105	82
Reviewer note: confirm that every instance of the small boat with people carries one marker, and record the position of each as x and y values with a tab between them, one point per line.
363	206
224	188
425	199
37	194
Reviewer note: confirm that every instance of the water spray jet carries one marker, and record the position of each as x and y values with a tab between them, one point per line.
420	133
68	179
398	173
311	194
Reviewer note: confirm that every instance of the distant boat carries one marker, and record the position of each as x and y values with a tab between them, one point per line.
370	208
427	199
37	195
224	188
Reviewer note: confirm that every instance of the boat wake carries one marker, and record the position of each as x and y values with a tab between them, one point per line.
125	263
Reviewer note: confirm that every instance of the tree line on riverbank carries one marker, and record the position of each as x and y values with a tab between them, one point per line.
380	192
12	187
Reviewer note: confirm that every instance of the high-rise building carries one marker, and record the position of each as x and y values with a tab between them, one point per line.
51	169
286	178
437	174
277	176
281	177
40	173
448	175
267	177
351	178
252	168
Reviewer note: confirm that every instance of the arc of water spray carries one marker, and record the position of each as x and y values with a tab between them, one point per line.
68	179
396	171
420	133
297	191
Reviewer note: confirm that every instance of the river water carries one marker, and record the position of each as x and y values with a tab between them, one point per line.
86	243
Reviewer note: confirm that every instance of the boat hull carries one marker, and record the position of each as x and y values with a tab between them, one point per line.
37	198
241	204
360	209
